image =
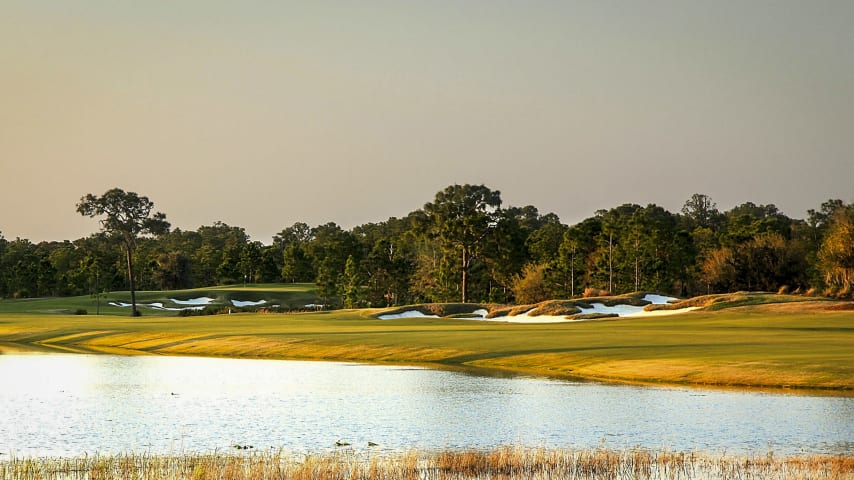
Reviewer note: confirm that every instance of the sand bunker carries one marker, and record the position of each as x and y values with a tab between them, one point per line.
529	317
238	303
526	318
633	311
601	309
193	301
406	314
156	306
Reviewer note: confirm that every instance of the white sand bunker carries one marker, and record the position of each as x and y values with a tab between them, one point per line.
628	310
239	303
406	314
156	306
529	317
600	308
193	301
526	318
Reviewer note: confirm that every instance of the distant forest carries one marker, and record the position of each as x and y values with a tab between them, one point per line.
465	245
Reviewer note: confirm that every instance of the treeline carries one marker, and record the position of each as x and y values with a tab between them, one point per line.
465	246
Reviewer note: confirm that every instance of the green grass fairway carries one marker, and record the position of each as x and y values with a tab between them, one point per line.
792	345
289	296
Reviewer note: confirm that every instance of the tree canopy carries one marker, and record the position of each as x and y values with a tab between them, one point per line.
464	245
461	217
126	215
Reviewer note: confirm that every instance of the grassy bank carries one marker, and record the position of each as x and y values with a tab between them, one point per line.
502	463
803	345
720	349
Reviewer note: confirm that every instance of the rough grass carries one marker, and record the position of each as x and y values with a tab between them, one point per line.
745	299
781	345
500	463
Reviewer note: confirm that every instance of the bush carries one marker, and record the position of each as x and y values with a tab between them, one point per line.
595	292
530	286
81	311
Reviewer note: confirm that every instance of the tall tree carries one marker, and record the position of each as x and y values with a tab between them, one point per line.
172	271
127	216
462	216
701	212
332	245
837	251
505	252
577	254
3	285
296	265
352	284
328	281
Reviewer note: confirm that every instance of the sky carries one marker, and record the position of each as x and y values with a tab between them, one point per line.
263	113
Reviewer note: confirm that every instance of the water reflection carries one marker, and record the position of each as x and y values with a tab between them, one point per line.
71	404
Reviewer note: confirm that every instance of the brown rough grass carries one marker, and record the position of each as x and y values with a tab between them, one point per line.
503	463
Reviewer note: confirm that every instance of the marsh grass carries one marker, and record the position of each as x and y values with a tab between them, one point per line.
500	463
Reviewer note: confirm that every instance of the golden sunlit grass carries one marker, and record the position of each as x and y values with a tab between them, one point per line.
744	299
500	463
804	345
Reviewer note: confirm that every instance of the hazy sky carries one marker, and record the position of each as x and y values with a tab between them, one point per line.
264	113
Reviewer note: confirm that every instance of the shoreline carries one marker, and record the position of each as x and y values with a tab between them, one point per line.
750	349
486	371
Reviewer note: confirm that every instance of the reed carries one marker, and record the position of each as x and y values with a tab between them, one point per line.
500	463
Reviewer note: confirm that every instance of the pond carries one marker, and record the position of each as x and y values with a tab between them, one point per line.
65	405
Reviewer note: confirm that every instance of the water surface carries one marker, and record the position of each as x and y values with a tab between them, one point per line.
75	404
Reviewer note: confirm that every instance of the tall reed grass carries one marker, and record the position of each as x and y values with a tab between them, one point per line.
500	463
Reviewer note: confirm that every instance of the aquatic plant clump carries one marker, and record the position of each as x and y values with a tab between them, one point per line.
500	463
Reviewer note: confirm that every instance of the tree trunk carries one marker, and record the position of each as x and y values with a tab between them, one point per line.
610	264
464	284
133	311
572	273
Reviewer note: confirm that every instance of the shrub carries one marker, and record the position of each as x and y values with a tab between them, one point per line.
530	286
81	311
595	292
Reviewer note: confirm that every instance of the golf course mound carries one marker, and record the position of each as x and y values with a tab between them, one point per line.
760	301
550	311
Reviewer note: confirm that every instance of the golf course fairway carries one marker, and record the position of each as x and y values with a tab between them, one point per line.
797	346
